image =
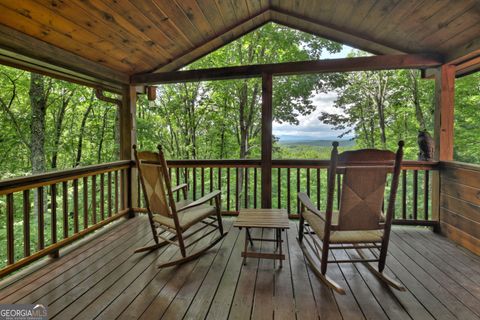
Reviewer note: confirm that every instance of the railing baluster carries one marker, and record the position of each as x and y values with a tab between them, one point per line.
10	230
255	188
404	194
318	189
26	223
116	191
53	212
65	208
124	178
298	190
139	193
194	183
102	196
75	206
94	199
85	202
109	193
426	192
237	189
288	191
202	179
211	179
246	195
41	220
228	189
308	182
279	188
415	195
177	176
338	190
219	176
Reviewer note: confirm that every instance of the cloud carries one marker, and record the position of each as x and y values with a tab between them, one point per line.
310	125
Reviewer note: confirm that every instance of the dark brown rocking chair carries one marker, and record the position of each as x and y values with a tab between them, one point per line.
360	223
169	220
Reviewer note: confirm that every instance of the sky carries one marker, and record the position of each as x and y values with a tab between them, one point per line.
310	128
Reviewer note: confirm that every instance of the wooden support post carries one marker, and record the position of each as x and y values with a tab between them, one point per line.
443	129
267	140
127	140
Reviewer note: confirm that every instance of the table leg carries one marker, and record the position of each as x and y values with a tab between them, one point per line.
280	244
246	246
249	237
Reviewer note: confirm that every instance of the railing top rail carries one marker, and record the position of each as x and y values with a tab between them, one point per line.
47	178
286	163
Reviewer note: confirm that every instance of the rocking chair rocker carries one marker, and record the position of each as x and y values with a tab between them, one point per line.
169	220
359	224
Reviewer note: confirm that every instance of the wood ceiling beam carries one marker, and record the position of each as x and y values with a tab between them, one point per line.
290	68
23	51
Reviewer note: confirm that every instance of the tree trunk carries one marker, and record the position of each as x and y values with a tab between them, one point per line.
82	131
416	100
58	127
38	103
102	135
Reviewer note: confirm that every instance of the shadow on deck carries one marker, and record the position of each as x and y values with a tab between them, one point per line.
104	279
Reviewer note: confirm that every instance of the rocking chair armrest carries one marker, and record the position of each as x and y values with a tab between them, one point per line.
179	187
202	200
307	203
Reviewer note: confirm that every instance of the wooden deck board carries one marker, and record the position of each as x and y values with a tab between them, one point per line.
104	279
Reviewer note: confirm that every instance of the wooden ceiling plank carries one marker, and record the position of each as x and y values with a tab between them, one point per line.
334	33
154	14
361	12
135	17
391	17
215	43
226	10
403	13
442	19
44	33
383	62
193	12
254	7
377	14
132	37
77	33
468	21
178	18
212	14
27	51
70	11
342	12
417	19
464	43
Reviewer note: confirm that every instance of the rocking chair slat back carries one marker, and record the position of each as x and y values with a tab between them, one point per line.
362	198
154	183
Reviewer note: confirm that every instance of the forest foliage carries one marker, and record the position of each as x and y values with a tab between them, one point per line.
48	123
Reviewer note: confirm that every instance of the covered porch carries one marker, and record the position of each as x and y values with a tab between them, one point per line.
128	49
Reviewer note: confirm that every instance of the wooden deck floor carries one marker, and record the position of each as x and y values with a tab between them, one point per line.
104	279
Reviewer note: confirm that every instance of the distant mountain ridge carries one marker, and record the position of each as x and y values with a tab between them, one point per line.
317	143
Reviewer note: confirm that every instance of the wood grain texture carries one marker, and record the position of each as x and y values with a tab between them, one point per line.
460	203
104	279
126	37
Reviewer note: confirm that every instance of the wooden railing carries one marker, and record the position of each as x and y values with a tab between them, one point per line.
239	181
42	213
47	211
